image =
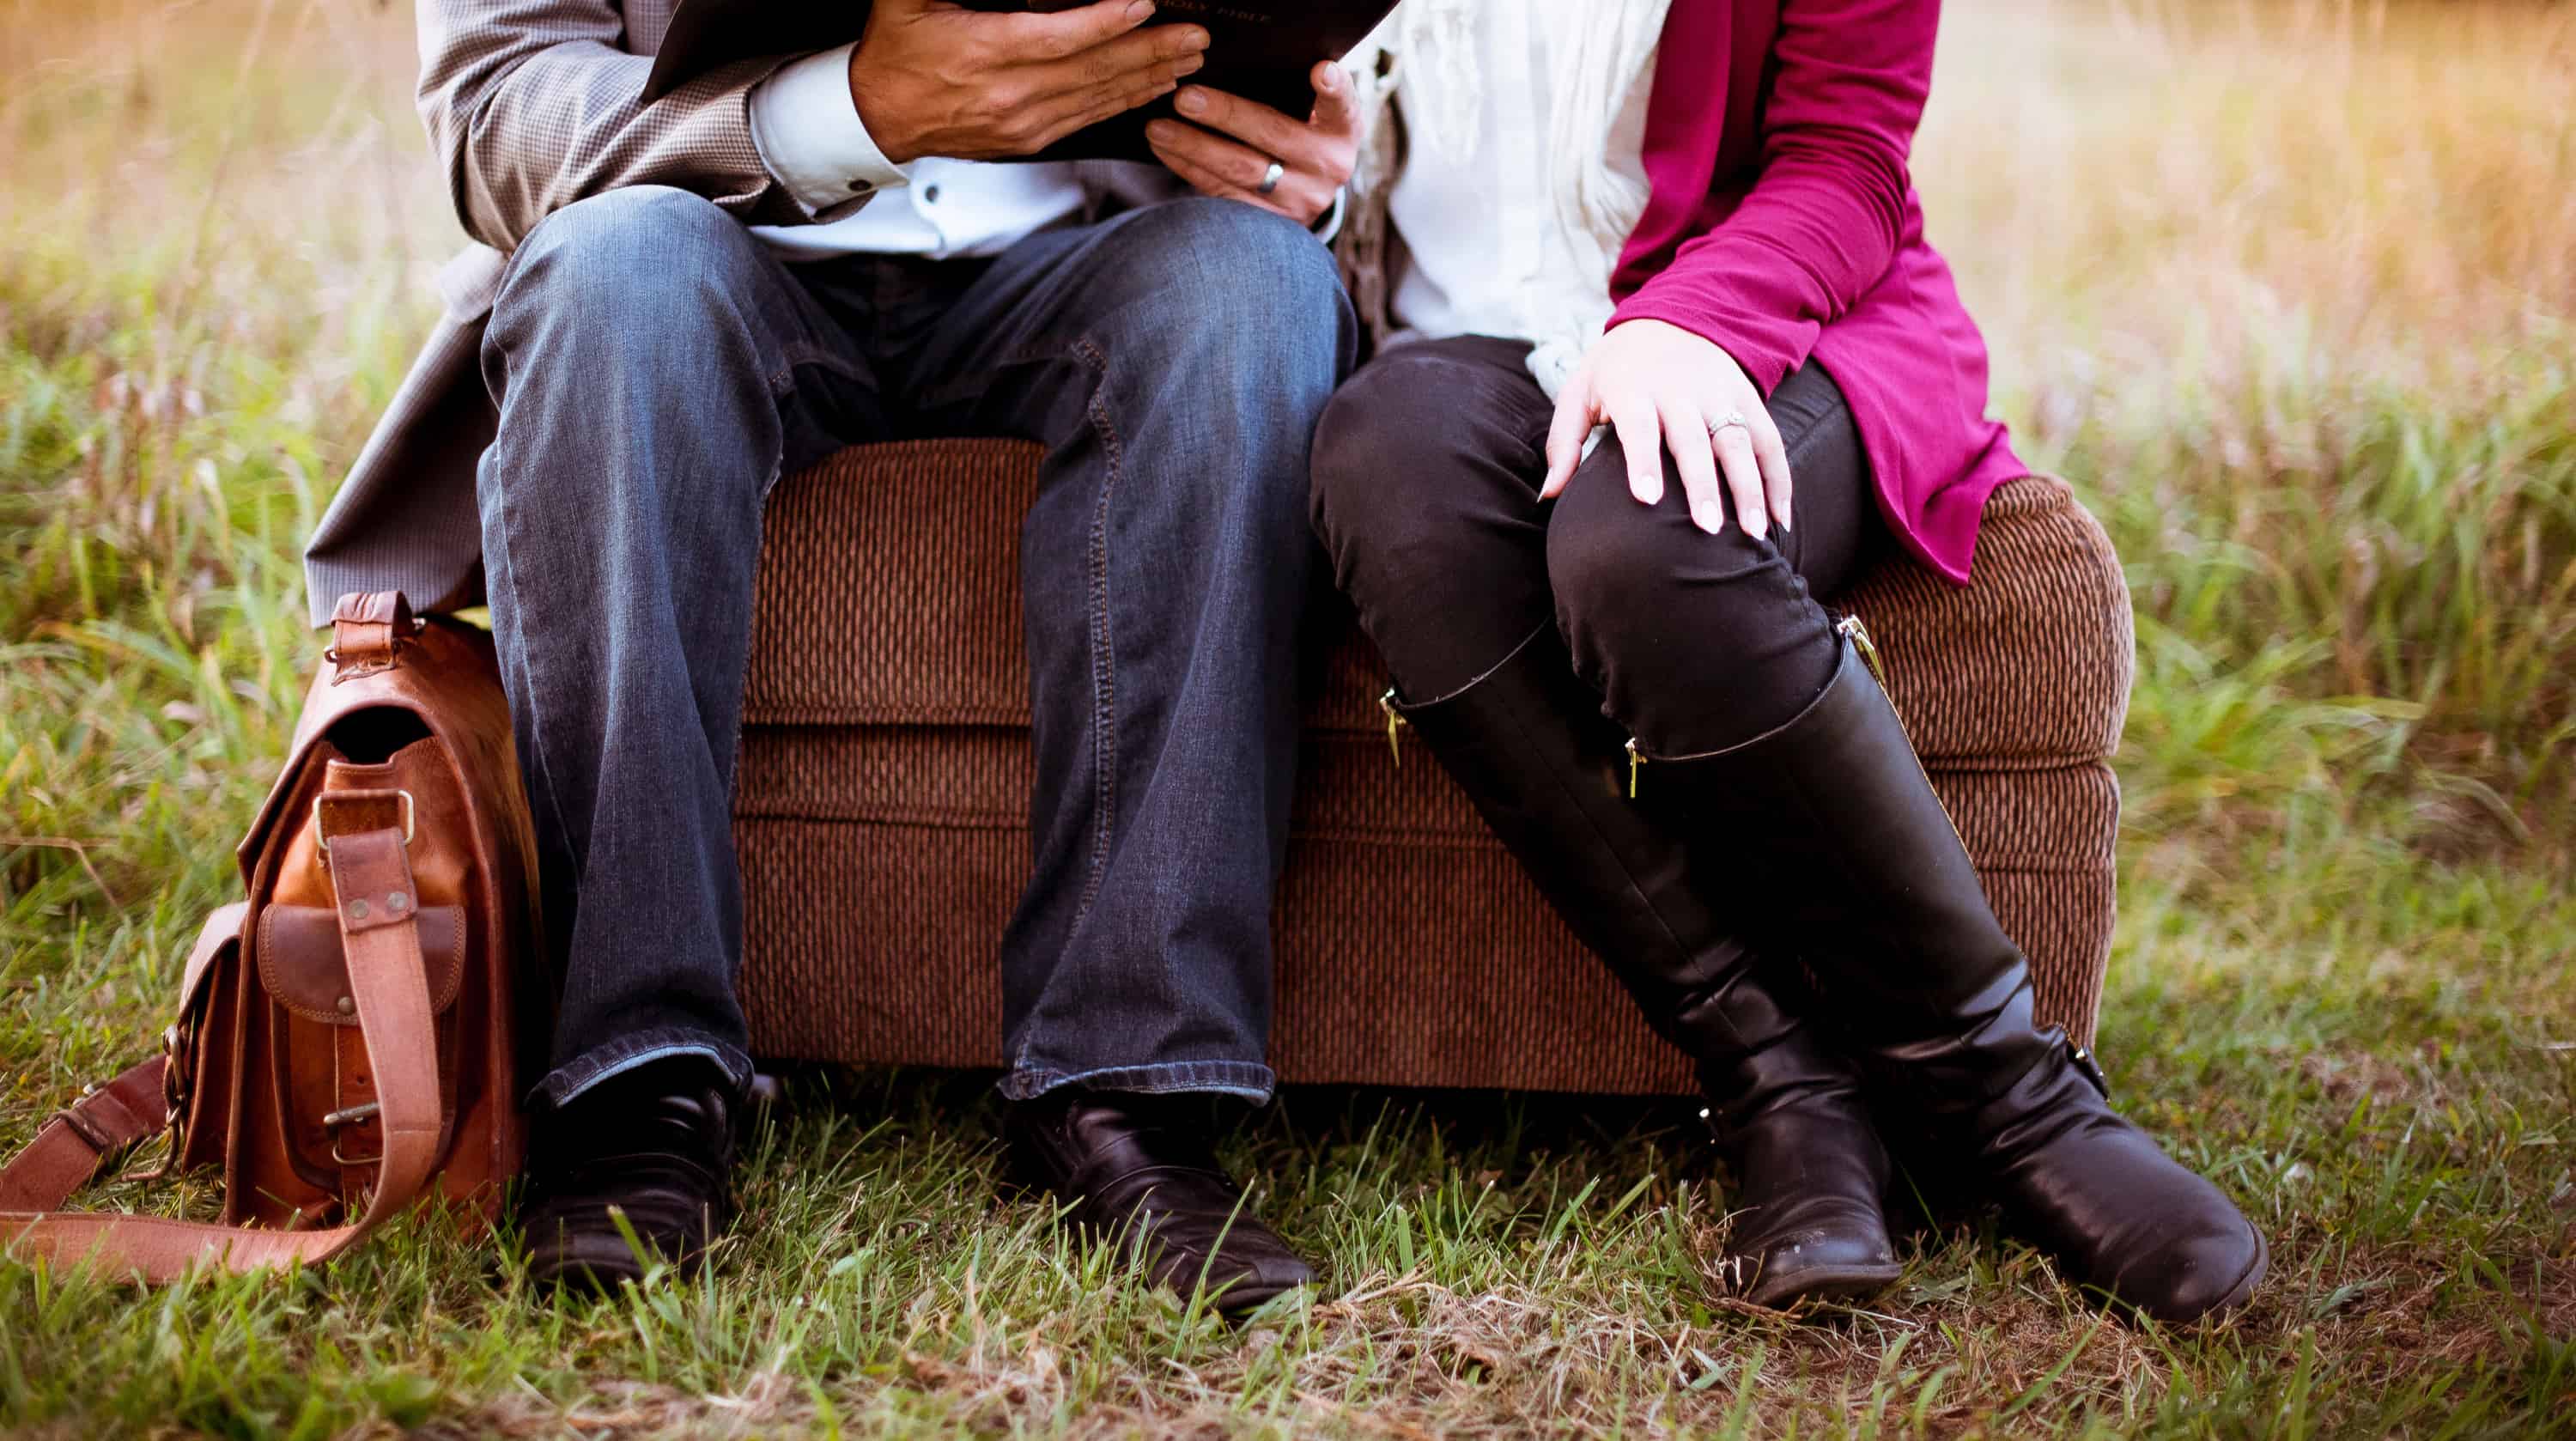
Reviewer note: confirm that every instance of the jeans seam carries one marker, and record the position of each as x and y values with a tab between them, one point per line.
1104	746
781	389
1104	651
527	678
782	384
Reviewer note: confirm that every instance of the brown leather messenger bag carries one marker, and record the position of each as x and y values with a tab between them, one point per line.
352	1036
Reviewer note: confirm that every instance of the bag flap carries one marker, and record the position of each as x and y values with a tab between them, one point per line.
221	932
302	964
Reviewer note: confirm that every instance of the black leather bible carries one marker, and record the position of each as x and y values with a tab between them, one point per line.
1258	49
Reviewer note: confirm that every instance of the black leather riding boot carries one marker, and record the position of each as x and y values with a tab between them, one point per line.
1529	744
1837	813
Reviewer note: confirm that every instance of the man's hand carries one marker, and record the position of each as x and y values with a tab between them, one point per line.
934	78
1661	387
1315	155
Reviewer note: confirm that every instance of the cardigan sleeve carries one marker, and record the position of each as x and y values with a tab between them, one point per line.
1823	219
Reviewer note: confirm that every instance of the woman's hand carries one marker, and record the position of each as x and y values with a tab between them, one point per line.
1661	387
1235	140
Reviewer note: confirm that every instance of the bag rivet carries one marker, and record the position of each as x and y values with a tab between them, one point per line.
346	1005
357	910
396	902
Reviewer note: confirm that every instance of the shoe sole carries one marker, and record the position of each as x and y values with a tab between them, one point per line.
2234	1300
2238	1294
1839	1283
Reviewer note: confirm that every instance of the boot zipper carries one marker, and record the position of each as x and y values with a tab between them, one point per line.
1850	625
1395	721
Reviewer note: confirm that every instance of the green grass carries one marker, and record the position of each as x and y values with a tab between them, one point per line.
2288	290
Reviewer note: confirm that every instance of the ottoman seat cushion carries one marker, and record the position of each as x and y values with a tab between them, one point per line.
881	805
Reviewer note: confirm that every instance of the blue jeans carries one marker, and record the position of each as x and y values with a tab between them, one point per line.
657	369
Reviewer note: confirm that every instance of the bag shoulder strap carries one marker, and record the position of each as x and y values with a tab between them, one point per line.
379	928
84	1137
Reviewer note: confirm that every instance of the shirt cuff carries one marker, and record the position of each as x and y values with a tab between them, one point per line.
1329	224
811	138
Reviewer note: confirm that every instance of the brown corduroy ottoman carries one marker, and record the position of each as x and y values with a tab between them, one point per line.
881	805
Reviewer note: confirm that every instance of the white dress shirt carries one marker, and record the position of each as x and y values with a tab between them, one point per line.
811	138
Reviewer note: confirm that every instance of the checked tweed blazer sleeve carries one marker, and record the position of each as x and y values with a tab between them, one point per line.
534	104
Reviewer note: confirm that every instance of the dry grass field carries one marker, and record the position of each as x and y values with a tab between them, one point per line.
2287	287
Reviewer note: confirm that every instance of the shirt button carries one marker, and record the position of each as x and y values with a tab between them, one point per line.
930	195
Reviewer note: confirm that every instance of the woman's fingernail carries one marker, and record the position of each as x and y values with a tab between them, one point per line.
1708	520
1193	102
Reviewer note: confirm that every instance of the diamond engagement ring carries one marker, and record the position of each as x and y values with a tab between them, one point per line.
1270	177
1734	418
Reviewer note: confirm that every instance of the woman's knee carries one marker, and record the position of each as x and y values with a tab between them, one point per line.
1397	452
1630	575
1675	625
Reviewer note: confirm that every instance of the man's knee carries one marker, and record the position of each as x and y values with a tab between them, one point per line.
599	337
1245	282
631	259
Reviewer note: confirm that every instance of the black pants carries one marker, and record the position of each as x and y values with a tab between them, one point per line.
1426	472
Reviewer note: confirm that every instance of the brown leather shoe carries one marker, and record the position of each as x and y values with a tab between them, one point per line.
653	1146
1136	1168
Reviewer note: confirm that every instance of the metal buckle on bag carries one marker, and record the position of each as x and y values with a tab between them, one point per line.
410	814
352	1116
331	654
175	1076
174	1070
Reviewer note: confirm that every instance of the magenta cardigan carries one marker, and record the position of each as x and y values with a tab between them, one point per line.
1783	227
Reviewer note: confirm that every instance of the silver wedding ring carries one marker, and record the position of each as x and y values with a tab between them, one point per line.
1270	177
1734	418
